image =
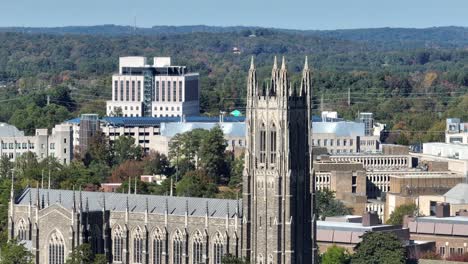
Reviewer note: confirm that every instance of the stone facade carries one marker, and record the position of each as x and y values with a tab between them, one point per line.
273	222
276	185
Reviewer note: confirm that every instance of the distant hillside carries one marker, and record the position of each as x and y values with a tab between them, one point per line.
386	37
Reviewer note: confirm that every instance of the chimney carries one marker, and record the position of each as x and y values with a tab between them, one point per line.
370	219
442	210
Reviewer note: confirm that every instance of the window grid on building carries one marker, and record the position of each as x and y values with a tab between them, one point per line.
56	249
198	249
139	91
121	90
158	248
180	91
138	247
127	90
163	91
133	90
218	249
116	90
117	244
174	90
177	248
273	144
169	91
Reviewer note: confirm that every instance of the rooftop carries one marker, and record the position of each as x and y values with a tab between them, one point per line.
217	208
7	130
458	194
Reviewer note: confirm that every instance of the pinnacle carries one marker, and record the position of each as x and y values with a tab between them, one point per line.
283	64
306	63
252	65
275	63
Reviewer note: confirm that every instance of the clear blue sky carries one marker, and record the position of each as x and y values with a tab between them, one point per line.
294	14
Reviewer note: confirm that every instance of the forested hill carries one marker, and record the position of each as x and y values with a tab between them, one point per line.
410	83
433	37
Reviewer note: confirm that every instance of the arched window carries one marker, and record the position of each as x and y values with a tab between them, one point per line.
138	246
262	144
23	230
273	144
177	244
158	242
218	248
117	239
198	248
56	249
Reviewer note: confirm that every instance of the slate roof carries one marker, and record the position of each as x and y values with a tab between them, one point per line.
217	208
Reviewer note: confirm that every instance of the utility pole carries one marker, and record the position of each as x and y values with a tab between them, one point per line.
321	104
349	96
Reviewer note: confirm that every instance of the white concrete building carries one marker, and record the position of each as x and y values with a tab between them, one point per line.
157	90
58	144
344	137
456	131
456	155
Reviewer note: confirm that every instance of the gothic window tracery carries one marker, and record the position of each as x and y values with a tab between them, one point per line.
23	230
138	246
218	248
262	144
117	239
273	145
198	248
158	242
56	249
177	245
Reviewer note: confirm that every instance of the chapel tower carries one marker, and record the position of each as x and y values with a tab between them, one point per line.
277	186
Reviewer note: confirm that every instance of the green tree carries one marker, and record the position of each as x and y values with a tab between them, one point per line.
327	205
336	255
156	163
13	252
81	254
396	217
196	184
125	149
5	166
379	248
230	259
99	150
213	154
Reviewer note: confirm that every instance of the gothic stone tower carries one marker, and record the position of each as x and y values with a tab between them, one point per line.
277	186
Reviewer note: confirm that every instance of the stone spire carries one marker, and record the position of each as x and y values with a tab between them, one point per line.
283	85
306	82
274	78
252	85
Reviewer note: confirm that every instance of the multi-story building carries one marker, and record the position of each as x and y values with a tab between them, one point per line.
456	131
450	233
455	155
157	90
58	144
368	120
155	133
276	210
